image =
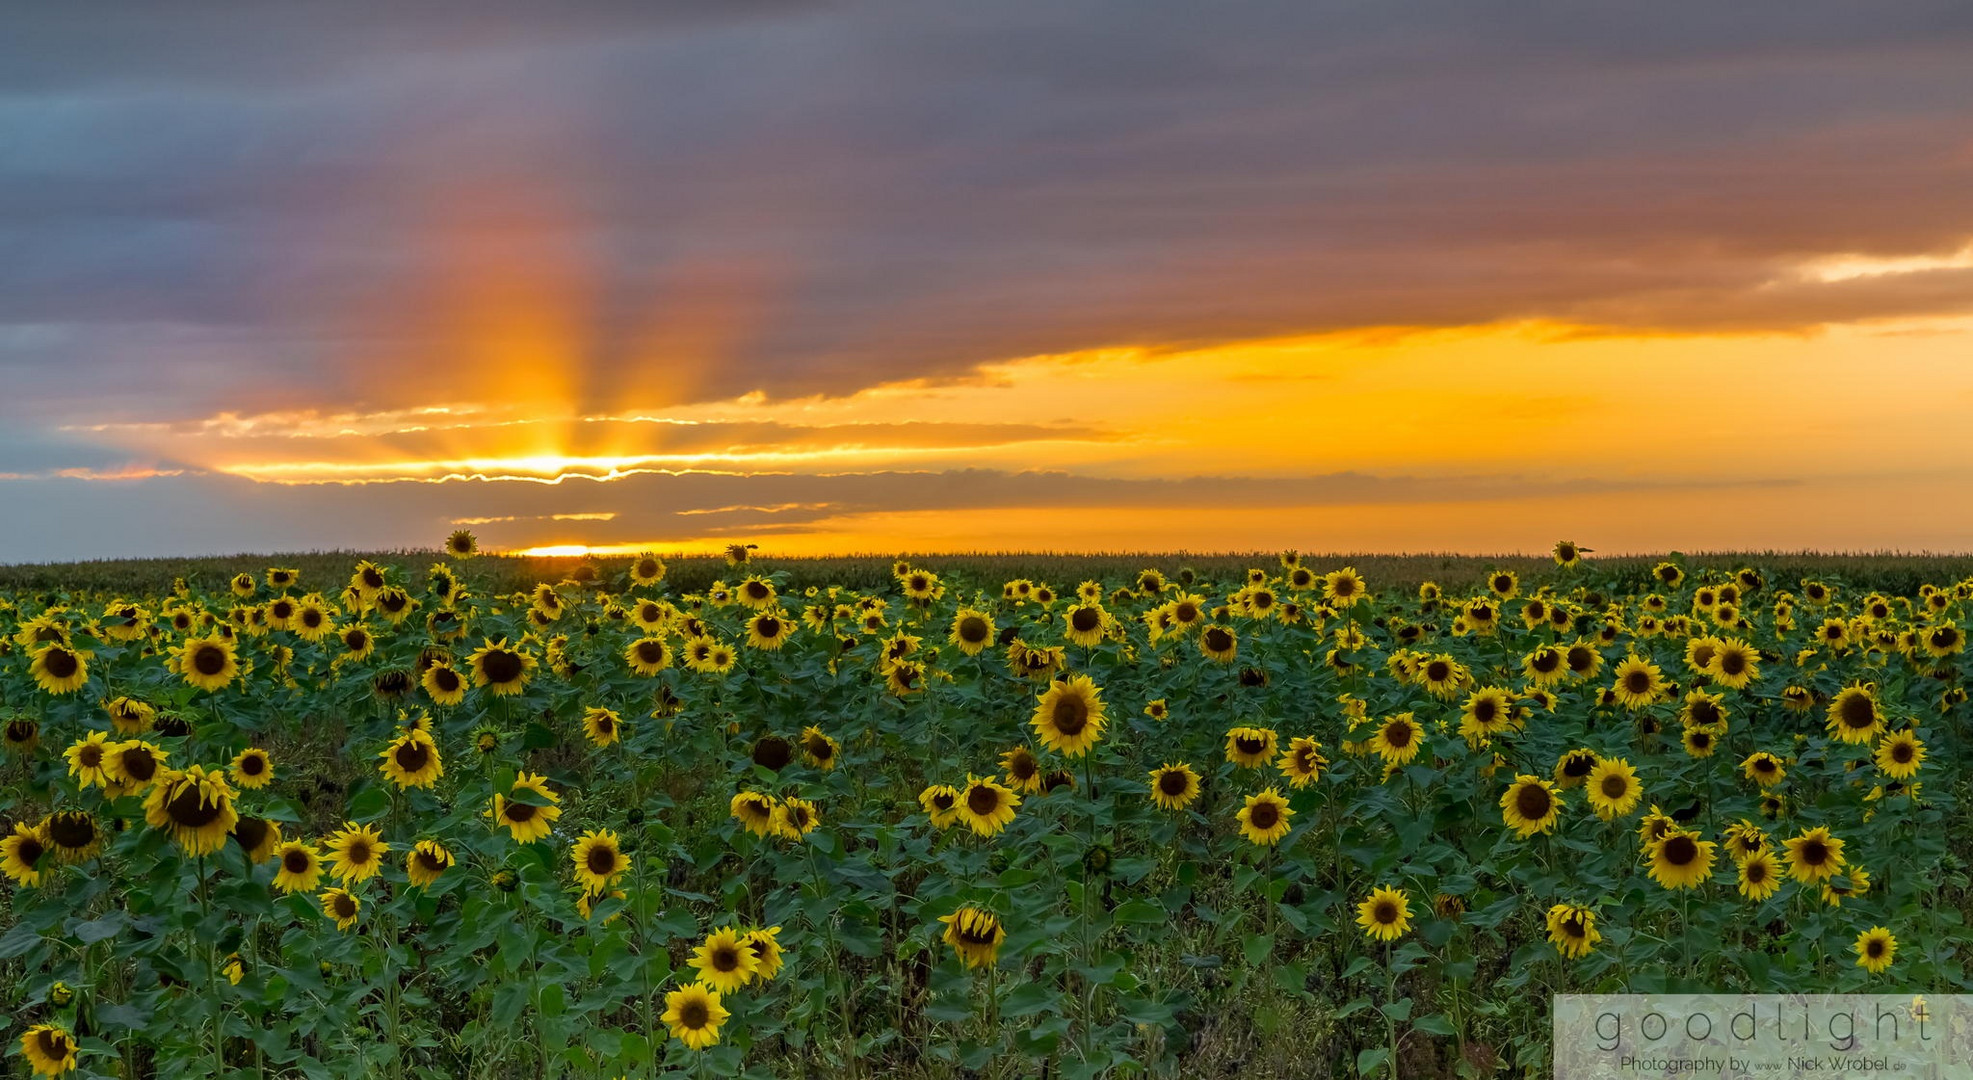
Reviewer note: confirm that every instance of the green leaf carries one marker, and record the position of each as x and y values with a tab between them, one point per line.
1143	912
96	930
1369	1061
1027	999
1434	1024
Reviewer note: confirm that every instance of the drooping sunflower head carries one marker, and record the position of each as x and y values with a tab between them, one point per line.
258	837
73	836
975	934
1250	747
818	748
754	811
49	1050
195	806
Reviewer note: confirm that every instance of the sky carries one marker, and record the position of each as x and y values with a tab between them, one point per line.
937	276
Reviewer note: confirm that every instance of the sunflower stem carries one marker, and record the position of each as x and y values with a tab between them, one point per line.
212	977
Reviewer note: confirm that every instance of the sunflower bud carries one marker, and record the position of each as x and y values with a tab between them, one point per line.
505	881
60	995
1097	860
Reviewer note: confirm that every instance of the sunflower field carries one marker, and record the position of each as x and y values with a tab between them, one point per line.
417	822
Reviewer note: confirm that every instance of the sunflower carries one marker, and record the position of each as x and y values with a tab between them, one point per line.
49	1050
1572	930
500	667
1814	856
300	868
724	962
1899	755
444	684
1764	769
1701	742
1612	788
694	1015
208	663
599	860
795	818
1734	663
195	806
818	748
129	716
1490	712
1567	552
1023	772
1398	739
1504	584
1760	876
341	906
252	768
358	644
1069	716
766	945
1573	767
1220	643
1545	666
73	836
528	821
1638	682
1858	883
86	759
601	725
1343	588
754	811
1876	948
412	760
1385	915
1085	623
59	669
647	569
1250	748
769	629
358	852
1302	763
985	806
1530	806
972	631
1173	787
975	934
425	862
1942	641
1680	860
1442	676
1264	818
21	852
258	837
1854	716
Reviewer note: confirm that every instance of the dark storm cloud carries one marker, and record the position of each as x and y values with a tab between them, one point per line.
208	207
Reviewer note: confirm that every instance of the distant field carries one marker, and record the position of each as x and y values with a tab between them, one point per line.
1896	573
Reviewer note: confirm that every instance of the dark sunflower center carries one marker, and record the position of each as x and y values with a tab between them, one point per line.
139	764
1398	735
1385	913
358	853
411	756
446	679
1756	872
602	860
52	1044
1615	786
1022	766
72	830
1705	712
1085	620
1875	947
1264	815
944	800
253	765
520	812
1172	783
1547	661
651	652
982	800
767	626
250	832
1902	752
1438	671
1858	711
1638	682
345	907
1186	612
1681	850
1070	715
501	666
1578	765
1814	853
60	663
693	1015
1485	709
373	579
429	861
972	629
1218	640
295	862
1533	802
191	809
647	568
773	752
209	660
1345	586
1580	658
1732	663
89	755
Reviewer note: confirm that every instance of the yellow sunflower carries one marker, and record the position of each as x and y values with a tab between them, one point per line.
1398	739
1613	788
1219	643
1760	876
599	859
766	945
1899	755
426	862
1264	818
299	868
769	629
1302	763
252	768
444	684
208	663
58	669
1680	860
724	962
73	836
1385	915
341	907
49	1050
1250	748
754	811
1876	948
501	668
795	818
194	806
21	853
819	748
357	852
985	806
1814	856
1174	786
975	935
1069	716
1572	930
1638	682
1854	716
1530	806
647	569
694	1014
412	760
533	815
86	760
